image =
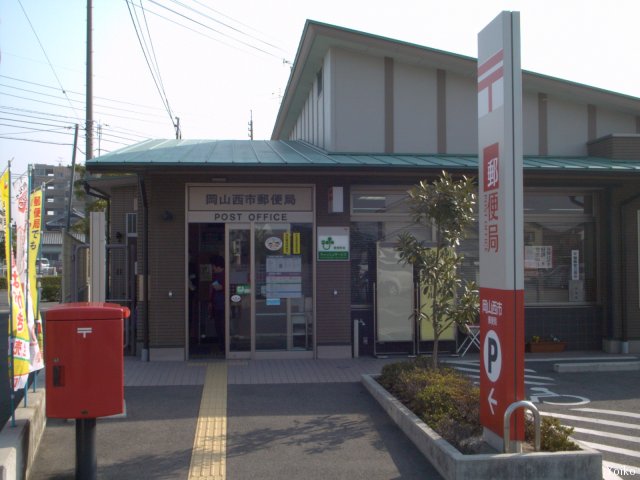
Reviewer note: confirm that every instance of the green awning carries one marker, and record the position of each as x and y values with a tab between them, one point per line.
274	153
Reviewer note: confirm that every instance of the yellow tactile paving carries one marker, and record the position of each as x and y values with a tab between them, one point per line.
208	460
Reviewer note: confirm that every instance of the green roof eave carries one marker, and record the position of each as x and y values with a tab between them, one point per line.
241	154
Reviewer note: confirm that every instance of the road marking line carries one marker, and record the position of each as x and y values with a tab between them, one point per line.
608	412
591	420
573	359
608	448
599	433
208	459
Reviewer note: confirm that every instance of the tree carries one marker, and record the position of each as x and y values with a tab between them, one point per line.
448	206
95	205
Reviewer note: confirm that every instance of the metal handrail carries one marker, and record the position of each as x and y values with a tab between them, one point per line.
507	419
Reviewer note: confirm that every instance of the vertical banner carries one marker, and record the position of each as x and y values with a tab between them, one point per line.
19	328
6	222
501	226
20	192
33	313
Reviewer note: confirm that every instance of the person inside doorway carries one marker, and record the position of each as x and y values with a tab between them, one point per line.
217	297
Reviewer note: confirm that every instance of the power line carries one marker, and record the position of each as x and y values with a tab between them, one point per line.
146	57
40	117
214	30
36	141
225	24
45	55
100	113
82	94
29	122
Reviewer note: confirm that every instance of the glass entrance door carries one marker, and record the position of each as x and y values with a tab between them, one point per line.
270	288
239	296
283	287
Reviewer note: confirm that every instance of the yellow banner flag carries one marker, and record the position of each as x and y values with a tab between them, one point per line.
35	321
6	222
19	330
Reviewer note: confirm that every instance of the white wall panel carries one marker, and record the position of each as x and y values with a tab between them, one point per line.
462	114
609	122
530	129
358	90
415	113
567	127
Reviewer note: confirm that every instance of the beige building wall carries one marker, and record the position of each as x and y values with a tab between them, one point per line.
567	127
434	111
358	102
608	121
415	109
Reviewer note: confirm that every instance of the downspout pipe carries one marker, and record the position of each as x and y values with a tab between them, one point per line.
623	281
145	228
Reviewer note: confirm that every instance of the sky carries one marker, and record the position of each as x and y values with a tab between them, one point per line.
223	62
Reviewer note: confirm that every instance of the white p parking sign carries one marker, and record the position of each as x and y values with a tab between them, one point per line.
492	355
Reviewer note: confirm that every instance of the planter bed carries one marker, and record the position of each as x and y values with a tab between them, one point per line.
545	347
453	465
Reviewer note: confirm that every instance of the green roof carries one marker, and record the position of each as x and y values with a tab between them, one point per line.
274	153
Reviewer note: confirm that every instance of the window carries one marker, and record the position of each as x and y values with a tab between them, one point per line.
388	202
379	214
559	248
559	242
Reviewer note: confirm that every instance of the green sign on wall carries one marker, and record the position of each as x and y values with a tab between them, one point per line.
333	243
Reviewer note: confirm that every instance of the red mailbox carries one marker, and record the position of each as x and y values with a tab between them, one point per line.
84	360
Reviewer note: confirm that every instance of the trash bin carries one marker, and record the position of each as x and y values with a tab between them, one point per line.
84	360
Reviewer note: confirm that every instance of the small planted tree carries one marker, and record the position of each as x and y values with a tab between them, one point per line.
448	206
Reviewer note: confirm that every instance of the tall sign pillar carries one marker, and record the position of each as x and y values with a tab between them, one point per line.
501	227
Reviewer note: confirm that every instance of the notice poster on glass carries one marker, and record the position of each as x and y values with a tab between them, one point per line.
538	256
284	276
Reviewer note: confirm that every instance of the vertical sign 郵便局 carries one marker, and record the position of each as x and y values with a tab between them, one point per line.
501	226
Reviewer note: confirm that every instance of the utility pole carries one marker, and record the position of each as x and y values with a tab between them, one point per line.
178	131
250	124
89	101
73	176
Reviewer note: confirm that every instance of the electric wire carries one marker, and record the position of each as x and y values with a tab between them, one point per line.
35	130
46	56
82	94
98	113
196	31
214	30
155	58
146	57
36	141
104	126
178	2
234	20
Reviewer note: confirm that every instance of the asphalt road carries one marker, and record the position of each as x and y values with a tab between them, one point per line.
289	431
604	409
316	432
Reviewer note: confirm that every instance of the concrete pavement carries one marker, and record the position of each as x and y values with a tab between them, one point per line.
284	418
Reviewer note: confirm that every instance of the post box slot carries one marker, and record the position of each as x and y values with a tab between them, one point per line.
58	379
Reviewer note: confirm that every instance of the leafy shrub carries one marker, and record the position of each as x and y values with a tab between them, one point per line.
449	403
51	289
443	398
554	437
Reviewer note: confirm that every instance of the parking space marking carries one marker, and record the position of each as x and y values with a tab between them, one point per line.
208	459
598	421
608	412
